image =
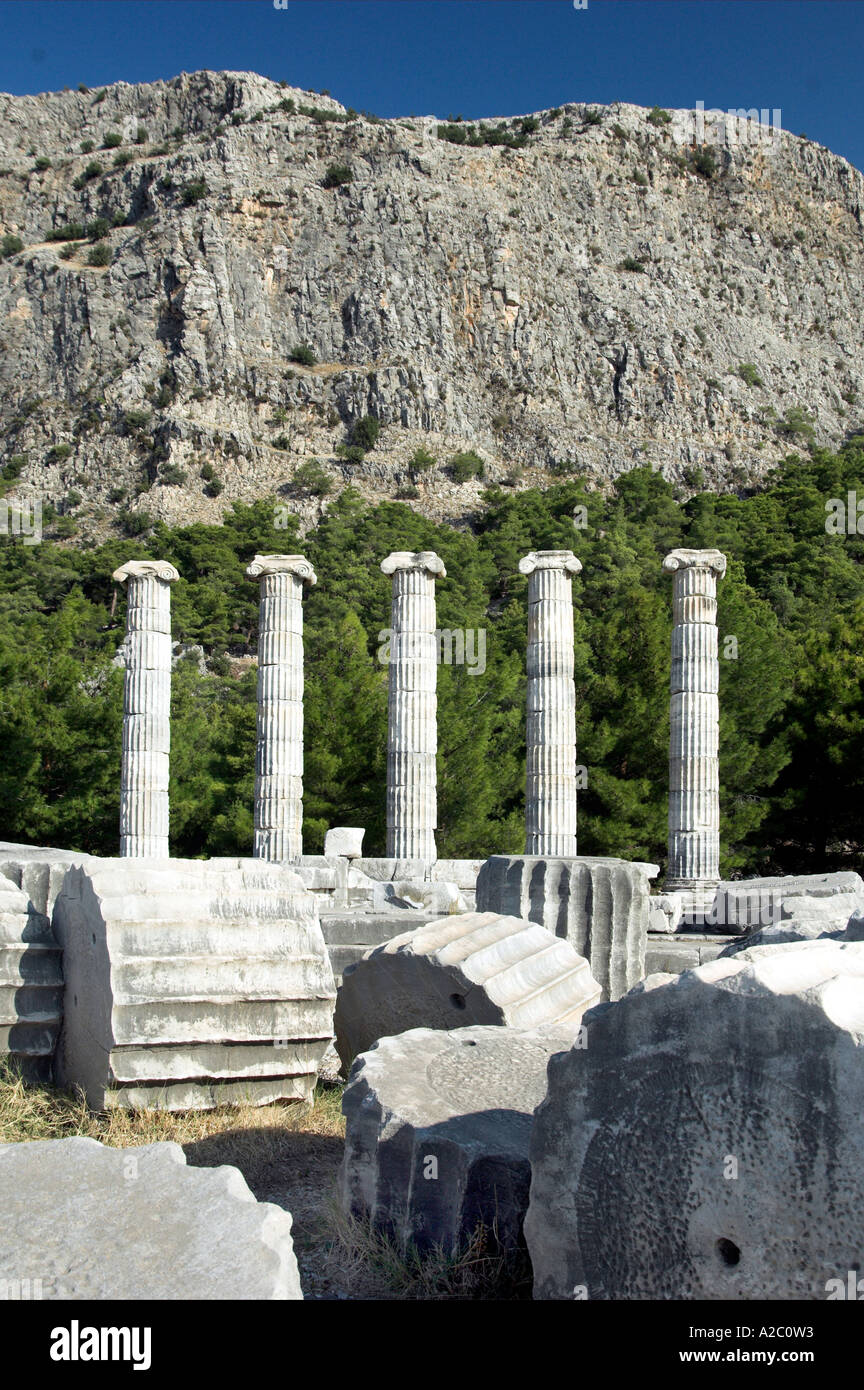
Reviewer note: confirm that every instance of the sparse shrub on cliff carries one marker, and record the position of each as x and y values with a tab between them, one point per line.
702	162
171	475
465	466
633	263
10	245
592	116
336	176
58	452
193	192
302	354
365	431
122	159
42	163
311	478
99	255
87	146
657	116
421	460
141	136
112	140
749	374
70	231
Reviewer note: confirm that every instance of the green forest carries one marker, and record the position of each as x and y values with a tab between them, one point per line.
791	690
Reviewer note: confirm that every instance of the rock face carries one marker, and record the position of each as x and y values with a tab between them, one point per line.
31	984
601	906
706	1142
437	1132
84	1221
190	984
616	310
476	967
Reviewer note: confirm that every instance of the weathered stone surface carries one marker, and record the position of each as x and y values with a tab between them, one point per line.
477	967
84	1221
412	706
600	906
694	785
146	708
458	281
706	1142
344	840
748	905
278	833
31	984
189	984
437	1132
550	777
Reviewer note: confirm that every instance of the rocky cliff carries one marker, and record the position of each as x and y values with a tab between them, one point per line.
601	288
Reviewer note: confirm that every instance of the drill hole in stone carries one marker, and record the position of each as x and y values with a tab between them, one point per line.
457	1001
468	1042
728	1252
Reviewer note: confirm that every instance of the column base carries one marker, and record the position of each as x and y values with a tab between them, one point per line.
696	900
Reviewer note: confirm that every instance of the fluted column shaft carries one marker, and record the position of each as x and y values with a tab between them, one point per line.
694	779
550	786
278	822
146	709
412	707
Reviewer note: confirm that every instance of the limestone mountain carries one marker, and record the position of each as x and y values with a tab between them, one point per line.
208	285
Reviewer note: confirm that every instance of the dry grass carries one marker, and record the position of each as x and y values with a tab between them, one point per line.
289	1154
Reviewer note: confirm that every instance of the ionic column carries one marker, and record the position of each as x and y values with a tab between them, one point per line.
694	783
412	706
146	709
278	833
550	788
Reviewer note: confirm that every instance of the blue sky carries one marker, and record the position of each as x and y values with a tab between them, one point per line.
470	57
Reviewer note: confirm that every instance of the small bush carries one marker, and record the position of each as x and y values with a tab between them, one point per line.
73	499
311	478
336	176
619	132
407	492
465	466
702	162
365	431
797	423
116	495
97	229
639	179
529	124
591	116
351	453
749	374
67	251
303	354
112	141
171	476
141	136
193	192
213	487
281	441
59	451
634	264
99	255
42	163
70	231
657	116
135	523
136	419
122	159
64	527
92	170
83	88
421	460
100	96
12	469
10	245
87	146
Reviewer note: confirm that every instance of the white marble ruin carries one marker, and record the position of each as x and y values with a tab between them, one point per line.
146	709
278	832
550	791
412	706
694	779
